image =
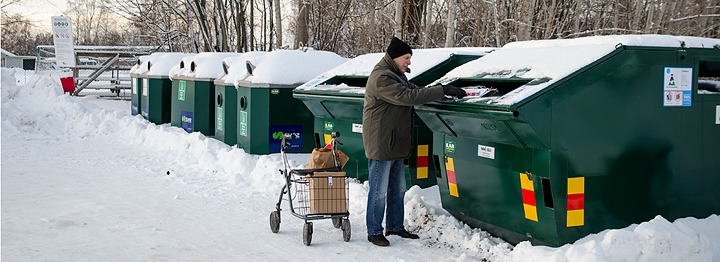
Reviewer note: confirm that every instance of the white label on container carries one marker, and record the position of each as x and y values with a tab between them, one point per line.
486	151
357	128
677	86
145	86
329	181
717	115
134	86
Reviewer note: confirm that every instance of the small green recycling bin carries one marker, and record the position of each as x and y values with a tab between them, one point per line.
266	108
193	92
226	96
583	135
336	100
137	74
154	86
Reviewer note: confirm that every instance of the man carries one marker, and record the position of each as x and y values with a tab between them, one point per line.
387	137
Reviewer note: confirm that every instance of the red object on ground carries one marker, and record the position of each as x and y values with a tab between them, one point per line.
68	84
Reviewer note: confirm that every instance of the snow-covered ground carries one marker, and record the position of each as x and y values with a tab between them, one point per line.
82	180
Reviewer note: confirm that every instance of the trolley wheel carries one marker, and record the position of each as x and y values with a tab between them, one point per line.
346	229
275	221
337	222
307	233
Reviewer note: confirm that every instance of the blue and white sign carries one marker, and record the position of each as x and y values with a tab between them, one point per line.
677	86
278	131
63	41
186	121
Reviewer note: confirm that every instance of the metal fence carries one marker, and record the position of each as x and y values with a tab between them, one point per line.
100	70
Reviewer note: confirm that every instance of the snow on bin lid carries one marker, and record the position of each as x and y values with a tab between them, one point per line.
142	66
236	68
162	65
287	67
556	59
206	65
422	60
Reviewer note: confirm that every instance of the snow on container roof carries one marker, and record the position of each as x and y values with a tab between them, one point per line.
287	67
422	61
163	64
142	65
206	65
556	59
236	67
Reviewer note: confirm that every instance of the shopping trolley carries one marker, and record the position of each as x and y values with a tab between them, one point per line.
314	194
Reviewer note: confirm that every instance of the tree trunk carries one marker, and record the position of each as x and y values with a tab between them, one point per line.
398	18
528	13
428	24
450	24
302	25
372	32
252	25
278	24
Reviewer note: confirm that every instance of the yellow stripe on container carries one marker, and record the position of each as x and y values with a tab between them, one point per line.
327	138
576	185
422	172
576	218
423	150
454	190
526	183
530	212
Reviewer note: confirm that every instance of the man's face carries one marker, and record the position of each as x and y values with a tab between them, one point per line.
403	62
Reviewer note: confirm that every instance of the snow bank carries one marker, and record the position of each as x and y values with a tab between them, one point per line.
556	59
39	110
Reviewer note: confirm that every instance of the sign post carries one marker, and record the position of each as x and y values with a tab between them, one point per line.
63	40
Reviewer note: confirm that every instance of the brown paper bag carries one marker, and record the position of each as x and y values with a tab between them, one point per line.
322	158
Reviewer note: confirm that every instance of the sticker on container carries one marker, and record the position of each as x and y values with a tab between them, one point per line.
486	151
219	114
449	147
677	86
277	132
134	86
186	121
181	90
329	181
145	87
275	91
717	115
329	126
357	128
243	124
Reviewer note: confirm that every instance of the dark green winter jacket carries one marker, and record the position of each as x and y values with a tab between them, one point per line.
387	114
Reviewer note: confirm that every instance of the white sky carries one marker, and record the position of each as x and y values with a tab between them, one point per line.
39	11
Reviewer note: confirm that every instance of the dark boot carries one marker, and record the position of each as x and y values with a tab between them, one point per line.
402	233
378	240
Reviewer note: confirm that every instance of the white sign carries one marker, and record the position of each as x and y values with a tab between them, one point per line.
717	115
145	87
357	128
134	86
677	86
63	39
486	151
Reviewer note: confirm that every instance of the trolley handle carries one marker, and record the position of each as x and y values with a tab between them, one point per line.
285	144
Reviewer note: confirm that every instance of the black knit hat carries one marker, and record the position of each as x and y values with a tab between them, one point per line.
398	48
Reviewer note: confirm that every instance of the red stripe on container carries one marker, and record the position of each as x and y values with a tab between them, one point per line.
576	202
528	197
451	177
422	161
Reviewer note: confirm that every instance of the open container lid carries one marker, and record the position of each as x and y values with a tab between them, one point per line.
360	67
142	67
236	67
534	65
282	67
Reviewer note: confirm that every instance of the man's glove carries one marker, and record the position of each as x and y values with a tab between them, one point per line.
454	91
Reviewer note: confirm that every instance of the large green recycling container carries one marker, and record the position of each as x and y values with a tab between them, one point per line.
336	100
193	92
226	101
584	135
266	108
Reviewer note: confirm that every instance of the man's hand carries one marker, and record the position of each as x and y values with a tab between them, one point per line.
454	91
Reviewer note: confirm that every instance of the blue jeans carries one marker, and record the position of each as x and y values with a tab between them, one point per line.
387	184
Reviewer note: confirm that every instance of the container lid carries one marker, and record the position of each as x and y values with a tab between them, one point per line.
206	65
286	67
361	66
552	60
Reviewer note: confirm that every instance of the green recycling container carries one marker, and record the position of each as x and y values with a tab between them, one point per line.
193	92
336	100
152	86
226	101
583	135
266	108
